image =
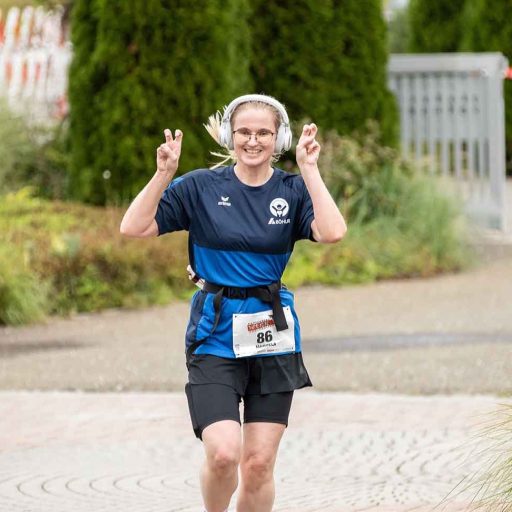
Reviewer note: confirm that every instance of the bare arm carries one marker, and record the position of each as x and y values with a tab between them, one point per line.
329	225
139	219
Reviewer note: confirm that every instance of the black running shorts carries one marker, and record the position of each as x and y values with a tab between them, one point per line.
217	385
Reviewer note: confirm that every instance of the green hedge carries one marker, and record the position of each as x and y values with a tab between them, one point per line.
326	61
140	66
436	25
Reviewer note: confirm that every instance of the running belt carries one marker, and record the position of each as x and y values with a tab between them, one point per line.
268	293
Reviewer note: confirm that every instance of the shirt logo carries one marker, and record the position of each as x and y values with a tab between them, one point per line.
279	208
224	201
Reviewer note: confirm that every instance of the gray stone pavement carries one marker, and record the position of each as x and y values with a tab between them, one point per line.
342	452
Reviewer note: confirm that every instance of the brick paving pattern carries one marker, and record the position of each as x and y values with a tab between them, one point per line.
342	452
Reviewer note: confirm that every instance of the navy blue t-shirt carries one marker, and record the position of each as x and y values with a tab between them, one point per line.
239	235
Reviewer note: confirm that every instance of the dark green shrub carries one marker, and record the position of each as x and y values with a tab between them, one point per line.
83	84
139	67
436	25
326	61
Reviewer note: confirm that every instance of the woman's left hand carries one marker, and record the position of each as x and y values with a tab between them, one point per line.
308	149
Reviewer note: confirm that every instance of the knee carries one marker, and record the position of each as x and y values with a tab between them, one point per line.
256	470
224	461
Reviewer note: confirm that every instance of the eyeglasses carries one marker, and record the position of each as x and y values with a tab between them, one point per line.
261	136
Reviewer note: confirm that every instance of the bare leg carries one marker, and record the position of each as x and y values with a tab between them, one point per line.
259	453
219	474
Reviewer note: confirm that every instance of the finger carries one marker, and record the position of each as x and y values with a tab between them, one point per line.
178	138
164	150
305	135
314	148
168	135
306	140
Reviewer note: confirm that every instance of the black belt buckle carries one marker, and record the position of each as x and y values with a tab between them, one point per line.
236	293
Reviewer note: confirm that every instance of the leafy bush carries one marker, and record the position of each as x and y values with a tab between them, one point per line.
362	174
76	253
16	149
400	224
22	298
33	155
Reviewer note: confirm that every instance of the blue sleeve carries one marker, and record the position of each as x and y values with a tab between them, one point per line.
305	214
174	212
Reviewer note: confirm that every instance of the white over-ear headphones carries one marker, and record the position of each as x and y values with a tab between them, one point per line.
284	134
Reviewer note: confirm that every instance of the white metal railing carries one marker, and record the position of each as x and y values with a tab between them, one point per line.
452	121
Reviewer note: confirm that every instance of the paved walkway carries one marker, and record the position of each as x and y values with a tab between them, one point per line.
471	313
345	451
342	452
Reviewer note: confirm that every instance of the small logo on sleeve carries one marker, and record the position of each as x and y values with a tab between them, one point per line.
224	201
279	208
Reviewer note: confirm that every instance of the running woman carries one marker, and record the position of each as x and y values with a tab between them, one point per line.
243	337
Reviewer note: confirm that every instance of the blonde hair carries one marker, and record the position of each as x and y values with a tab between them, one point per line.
215	121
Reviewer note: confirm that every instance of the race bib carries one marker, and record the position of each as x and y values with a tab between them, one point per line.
256	333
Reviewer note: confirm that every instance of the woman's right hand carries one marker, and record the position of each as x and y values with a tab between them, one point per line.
168	154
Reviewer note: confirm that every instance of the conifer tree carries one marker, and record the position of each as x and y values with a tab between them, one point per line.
81	92
436	25
141	66
326	61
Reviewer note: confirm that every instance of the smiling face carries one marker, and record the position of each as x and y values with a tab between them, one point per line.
254	153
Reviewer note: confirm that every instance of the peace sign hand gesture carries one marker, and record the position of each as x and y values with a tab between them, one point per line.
168	154
308	149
